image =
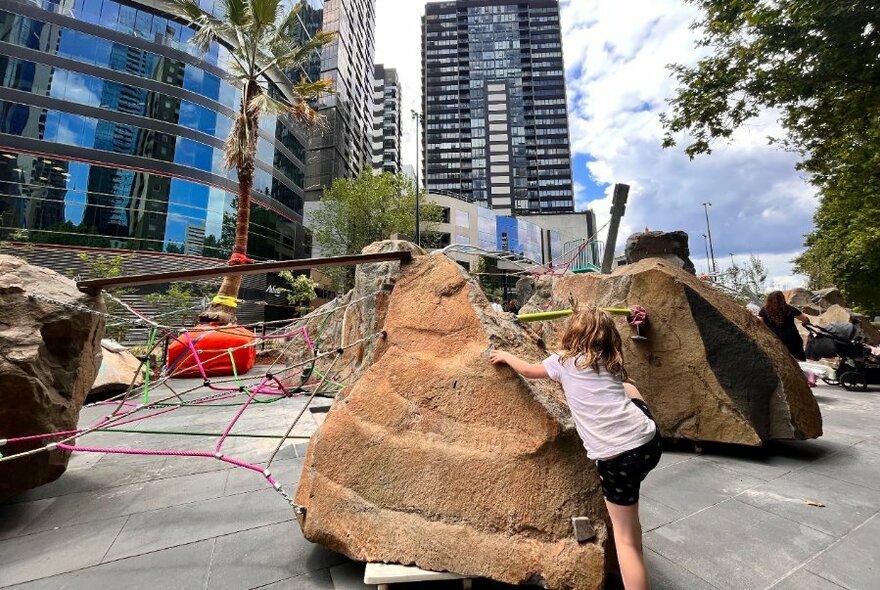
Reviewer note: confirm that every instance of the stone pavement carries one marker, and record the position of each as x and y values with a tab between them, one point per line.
723	517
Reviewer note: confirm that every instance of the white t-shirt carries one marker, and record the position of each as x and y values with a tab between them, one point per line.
497	307
607	421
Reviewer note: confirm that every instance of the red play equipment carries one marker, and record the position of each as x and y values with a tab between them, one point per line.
211	345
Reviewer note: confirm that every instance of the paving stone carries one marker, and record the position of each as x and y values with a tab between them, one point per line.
15	518
872	444
670	457
286	472
855	561
804	580
180	568
116	501
349	576
734	545
264	555
30	557
693	485
665	575
178	525
846	505
317	580
97	477
771	461
653	514
855	465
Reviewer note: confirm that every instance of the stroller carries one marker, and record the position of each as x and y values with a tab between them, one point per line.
858	368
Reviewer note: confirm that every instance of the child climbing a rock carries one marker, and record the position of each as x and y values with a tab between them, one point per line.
612	419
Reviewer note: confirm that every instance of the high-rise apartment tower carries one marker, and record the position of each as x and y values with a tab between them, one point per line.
345	143
493	86
386	120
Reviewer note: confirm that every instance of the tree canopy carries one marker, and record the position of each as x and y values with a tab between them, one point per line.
355	212
818	63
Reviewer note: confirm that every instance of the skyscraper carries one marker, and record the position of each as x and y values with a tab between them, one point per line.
386	120
345	143
493	86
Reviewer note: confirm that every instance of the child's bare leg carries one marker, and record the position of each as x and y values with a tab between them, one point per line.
628	541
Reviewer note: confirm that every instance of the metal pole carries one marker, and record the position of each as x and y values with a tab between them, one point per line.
709	231
618	208
417	118
708	260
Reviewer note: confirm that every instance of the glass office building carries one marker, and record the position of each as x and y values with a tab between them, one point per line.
493	86
111	135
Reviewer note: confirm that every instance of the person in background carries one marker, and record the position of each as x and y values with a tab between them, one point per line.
496	304
779	316
513	306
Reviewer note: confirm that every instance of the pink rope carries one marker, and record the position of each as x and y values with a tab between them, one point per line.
152	452
42	436
238	414
270	385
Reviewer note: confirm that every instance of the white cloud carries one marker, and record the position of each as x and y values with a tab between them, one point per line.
616	56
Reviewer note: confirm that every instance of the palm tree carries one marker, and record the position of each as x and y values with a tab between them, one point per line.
259	35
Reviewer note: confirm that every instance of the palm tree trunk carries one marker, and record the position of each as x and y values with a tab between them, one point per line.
220	313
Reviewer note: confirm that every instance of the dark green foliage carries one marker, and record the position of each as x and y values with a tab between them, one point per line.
355	212
818	63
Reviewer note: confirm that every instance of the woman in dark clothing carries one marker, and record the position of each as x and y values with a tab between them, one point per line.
779	317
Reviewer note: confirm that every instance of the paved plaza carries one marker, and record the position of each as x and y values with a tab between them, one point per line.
794	515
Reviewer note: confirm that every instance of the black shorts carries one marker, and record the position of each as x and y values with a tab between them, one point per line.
622	476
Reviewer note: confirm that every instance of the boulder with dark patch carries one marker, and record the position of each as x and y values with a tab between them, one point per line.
709	369
49	356
825	298
670	246
438	459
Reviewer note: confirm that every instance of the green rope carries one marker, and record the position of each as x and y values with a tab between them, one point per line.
234	370
147	368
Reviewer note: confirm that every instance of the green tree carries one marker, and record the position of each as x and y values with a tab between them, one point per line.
355	212
748	281
175	303
102	266
261	33
818	63
300	290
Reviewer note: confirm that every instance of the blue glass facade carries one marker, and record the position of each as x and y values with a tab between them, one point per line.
111	134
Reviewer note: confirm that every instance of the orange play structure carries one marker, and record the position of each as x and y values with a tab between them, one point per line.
212	345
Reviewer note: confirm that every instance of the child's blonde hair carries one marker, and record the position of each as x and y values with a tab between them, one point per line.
592	339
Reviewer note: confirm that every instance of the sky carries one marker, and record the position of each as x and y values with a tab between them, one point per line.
617	78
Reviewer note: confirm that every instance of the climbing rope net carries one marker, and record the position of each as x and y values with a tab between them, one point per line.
236	394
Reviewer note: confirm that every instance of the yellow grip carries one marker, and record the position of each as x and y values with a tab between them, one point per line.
225	300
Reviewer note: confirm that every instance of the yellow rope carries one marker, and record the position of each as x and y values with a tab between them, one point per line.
225	300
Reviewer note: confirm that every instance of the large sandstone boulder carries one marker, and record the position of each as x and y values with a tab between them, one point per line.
670	246
798	297
436	458
355	315
825	298
709	369
118	371
49	356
